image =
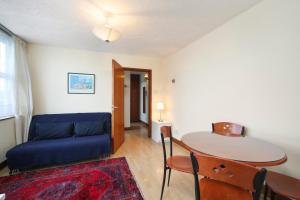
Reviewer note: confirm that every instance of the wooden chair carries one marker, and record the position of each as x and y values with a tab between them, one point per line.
228	129
179	163
226	179
283	185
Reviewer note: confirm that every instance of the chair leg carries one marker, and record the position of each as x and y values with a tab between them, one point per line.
266	192
169	176
273	195
163	184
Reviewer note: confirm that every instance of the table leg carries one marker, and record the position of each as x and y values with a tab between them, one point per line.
266	192
273	195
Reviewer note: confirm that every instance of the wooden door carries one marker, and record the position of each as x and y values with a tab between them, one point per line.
117	106
134	98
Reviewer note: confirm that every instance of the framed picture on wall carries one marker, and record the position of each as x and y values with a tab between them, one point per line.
80	83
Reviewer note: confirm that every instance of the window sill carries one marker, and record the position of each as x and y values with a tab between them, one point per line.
6	118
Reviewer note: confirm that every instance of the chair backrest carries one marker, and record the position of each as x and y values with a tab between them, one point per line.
166	132
244	177
228	129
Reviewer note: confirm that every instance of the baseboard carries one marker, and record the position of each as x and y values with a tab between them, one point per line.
144	123
3	164
132	128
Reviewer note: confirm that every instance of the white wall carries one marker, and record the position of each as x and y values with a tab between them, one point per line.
49	67
7	137
246	71
143	83
127	99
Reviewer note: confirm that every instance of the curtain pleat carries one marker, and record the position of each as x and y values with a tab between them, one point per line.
23	92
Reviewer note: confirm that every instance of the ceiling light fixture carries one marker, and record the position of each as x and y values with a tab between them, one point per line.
106	33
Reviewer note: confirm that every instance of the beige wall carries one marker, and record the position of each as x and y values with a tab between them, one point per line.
49	67
7	137
246	71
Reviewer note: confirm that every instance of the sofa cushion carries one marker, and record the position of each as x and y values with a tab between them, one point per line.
70	117
53	130
57	151
88	128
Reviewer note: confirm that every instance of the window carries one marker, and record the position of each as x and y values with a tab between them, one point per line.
6	75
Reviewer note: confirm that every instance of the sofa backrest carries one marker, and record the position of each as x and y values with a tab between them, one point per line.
69	117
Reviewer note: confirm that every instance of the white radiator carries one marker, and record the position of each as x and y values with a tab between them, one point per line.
7	137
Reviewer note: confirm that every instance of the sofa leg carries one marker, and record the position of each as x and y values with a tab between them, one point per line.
13	171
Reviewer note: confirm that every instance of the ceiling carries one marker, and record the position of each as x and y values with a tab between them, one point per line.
148	27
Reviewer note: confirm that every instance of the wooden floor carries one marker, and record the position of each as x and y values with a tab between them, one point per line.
145	160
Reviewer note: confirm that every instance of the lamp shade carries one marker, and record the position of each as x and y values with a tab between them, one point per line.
106	33
160	106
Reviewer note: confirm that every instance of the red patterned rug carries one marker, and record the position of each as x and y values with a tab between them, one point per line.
106	179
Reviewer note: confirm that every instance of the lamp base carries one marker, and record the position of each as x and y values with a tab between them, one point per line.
160	119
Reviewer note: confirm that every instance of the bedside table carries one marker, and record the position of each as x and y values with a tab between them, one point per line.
156	129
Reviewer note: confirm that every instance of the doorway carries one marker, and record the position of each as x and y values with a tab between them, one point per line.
120	85
137	98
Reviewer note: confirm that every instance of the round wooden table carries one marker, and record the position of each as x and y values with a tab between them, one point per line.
252	151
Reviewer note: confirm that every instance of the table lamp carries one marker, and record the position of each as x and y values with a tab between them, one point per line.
160	107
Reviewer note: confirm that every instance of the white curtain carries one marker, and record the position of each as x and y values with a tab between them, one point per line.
22	91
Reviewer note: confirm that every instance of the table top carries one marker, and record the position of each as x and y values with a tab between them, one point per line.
244	149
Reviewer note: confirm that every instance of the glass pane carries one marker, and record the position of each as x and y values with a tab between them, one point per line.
6	98
2	57
6	74
2	84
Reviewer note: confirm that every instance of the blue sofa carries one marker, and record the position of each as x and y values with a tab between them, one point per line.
62	138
